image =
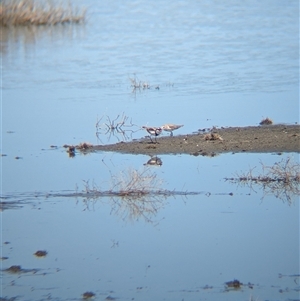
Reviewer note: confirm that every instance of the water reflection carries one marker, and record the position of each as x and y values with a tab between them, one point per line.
139	194
134	194
10	205
282	180
60	77
16	38
154	161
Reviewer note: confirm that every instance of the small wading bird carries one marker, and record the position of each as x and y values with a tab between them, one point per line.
169	127
153	131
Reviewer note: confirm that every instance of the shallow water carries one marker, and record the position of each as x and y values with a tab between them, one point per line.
215	64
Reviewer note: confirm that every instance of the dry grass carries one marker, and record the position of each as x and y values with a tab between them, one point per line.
139	195
137	84
282	179
134	194
136	183
34	12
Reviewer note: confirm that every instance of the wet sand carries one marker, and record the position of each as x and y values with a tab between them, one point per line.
252	139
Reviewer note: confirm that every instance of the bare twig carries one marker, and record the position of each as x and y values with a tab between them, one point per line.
115	127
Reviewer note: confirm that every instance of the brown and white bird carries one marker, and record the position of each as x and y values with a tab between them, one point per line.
153	131
169	127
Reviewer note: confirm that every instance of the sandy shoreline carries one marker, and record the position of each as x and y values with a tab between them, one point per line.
261	139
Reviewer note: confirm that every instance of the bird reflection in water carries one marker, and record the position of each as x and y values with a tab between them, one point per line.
154	161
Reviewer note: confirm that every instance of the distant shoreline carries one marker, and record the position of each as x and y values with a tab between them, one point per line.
250	139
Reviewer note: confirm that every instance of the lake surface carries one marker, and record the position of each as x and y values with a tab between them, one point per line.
205	64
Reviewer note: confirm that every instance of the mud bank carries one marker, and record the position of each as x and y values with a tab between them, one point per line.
259	139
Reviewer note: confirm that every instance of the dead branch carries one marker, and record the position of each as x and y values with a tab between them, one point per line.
115	127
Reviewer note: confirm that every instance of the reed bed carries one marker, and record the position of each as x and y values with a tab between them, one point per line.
34	12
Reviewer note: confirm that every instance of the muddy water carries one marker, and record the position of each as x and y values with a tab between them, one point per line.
215	65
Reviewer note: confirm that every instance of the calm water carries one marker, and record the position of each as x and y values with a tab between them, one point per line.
215	64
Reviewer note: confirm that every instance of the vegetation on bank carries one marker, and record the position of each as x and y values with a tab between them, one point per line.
34	12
